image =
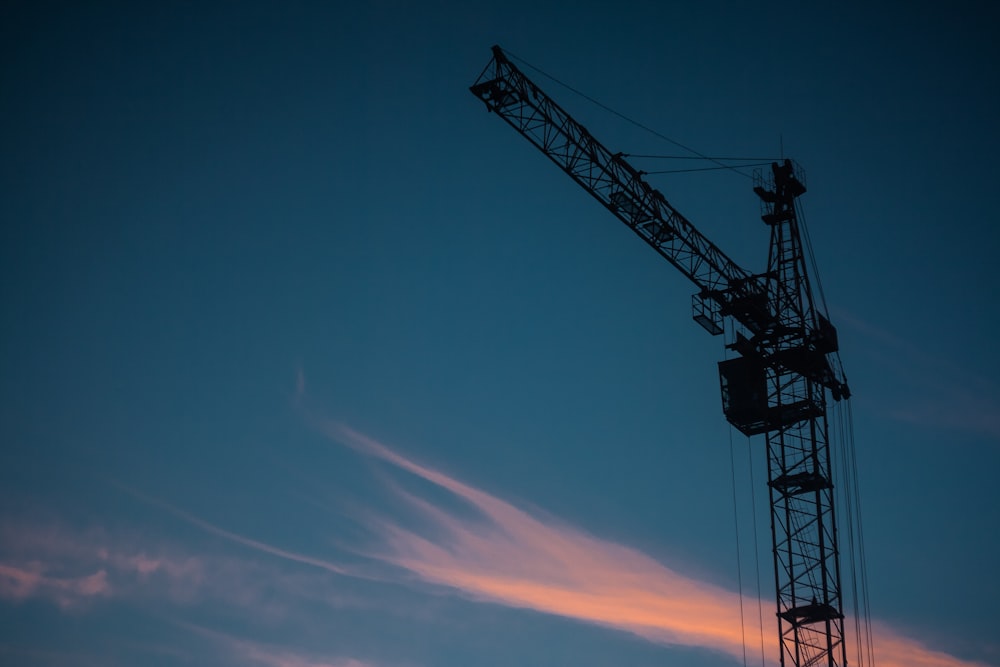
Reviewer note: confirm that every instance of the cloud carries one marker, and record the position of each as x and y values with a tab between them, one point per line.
245	652
275	657
935	391
506	555
83	569
69	566
250	543
75	568
17	583
467	540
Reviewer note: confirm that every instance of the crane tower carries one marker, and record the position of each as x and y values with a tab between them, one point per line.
781	380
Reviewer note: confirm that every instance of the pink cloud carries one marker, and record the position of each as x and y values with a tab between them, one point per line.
511	557
20	583
48	560
45	559
17	583
257	653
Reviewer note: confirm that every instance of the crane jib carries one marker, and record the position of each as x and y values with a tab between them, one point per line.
614	182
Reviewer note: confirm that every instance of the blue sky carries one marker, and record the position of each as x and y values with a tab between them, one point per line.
308	361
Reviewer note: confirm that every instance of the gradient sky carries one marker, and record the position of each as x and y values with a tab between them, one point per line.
308	361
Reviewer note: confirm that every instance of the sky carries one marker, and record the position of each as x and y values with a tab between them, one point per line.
308	361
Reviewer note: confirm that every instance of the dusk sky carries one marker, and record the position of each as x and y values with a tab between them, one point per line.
309	361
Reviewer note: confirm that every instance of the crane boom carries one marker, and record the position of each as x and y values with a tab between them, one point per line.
726	288
777	385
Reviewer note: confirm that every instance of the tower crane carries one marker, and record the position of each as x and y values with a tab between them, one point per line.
782	376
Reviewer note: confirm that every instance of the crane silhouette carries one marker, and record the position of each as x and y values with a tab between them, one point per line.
785	372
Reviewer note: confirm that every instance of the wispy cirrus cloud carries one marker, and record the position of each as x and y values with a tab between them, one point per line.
83	569
268	656
35	579
498	553
521	560
245	652
72	567
75	567
509	556
936	392
250	543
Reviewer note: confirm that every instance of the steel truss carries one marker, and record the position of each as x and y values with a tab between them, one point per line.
778	384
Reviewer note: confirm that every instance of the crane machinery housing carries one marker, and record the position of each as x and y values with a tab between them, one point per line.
784	373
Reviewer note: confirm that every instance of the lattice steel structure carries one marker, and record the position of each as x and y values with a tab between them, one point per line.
779	383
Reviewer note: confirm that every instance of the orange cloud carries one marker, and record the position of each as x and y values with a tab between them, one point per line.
511	557
69	566
256	653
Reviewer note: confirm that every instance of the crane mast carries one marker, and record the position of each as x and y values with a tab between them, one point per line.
778	383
